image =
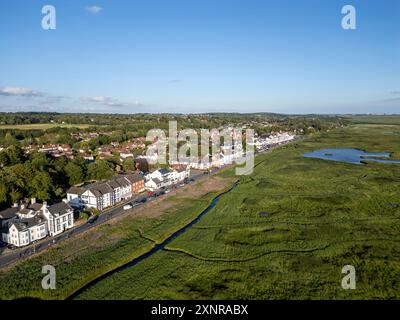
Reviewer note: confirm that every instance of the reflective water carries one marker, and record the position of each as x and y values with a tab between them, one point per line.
354	156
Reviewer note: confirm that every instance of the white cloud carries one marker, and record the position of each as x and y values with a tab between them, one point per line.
94	9
19	91
96	99
111	102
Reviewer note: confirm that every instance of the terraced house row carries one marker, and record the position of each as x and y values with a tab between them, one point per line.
101	195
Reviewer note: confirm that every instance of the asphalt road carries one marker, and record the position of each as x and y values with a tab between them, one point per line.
104	216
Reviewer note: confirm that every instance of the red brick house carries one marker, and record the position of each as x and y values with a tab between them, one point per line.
137	182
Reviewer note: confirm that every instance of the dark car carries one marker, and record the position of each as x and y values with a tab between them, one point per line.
93	219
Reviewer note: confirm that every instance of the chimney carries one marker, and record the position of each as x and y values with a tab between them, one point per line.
33	200
65	201
45	204
15	205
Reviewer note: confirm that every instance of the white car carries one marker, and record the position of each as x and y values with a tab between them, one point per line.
127	206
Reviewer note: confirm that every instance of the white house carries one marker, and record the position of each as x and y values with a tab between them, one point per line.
104	194
181	173
74	196
98	196
60	217
153	184
22	232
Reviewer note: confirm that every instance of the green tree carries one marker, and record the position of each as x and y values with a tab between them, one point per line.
4	160
15	195
9	140
14	154
41	186
74	173
100	169
3	194
38	161
129	165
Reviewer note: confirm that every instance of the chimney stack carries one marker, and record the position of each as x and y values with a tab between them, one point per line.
33	200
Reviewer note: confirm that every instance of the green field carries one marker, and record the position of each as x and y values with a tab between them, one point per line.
322	215
376	119
42	126
85	257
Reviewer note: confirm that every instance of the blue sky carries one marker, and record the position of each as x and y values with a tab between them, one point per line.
191	56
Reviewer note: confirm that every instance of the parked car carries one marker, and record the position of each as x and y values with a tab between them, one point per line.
92	219
127	207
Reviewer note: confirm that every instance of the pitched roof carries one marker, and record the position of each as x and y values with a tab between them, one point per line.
113	184
9	213
123	181
59	208
76	190
102	188
35	206
156	180
132	178
23	224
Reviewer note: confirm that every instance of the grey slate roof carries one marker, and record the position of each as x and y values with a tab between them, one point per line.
36	206
9	213
76	190
100	189
59	208
134	177
156	180
123	182
23	224
114	184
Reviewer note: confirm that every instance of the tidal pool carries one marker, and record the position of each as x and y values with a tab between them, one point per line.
354	156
